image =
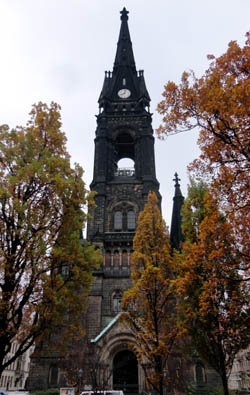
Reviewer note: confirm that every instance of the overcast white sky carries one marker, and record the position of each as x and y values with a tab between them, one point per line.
59	49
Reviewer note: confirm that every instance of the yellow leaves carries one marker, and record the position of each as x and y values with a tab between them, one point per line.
149	305
41	218
151	244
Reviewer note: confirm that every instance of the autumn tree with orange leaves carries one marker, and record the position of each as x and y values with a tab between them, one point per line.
213	301
149	305
218	104
45	272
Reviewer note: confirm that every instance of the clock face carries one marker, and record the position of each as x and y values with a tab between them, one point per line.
124	93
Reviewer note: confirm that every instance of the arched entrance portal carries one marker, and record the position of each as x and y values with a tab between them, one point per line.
125	372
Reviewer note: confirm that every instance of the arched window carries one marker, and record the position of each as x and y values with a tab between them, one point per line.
131	220
108	258
124	258
65	270
116	258
125	167
118	221
200	373
53	376
116	301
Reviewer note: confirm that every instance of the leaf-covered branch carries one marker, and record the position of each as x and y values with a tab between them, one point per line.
41	218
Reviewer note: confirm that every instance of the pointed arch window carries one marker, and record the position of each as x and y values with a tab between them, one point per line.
200	373
116	258
53	376
131	220
116	301
118	221
124	258
65	270
108	258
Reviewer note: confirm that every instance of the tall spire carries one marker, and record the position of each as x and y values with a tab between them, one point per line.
124	84
124	54
176	236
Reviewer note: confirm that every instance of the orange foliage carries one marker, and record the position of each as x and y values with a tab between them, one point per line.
214	301
218	104
149	305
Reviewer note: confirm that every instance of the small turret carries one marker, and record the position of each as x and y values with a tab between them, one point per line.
176	236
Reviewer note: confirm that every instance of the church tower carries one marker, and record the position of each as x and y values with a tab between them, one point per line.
124	131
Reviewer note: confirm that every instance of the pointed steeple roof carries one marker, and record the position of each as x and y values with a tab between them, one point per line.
176	236
124	53
124	75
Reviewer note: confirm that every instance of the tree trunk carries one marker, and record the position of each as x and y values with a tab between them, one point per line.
2	355
161	388
225	383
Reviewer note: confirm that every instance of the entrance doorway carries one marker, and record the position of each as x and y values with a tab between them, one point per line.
125	372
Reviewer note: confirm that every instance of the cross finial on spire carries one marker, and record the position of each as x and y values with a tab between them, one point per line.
124	14
176	179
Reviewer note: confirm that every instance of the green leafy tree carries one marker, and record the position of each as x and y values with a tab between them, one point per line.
149	305
213	302
45	272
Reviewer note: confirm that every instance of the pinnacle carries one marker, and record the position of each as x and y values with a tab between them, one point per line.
124	14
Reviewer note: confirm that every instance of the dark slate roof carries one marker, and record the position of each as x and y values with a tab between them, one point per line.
124	70
124	53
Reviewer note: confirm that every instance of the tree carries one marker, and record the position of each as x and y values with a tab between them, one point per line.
45	272
86	357
218	104
72	365
99	372
213	304
149	305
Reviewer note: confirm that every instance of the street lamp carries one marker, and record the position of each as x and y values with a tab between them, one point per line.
164	379
80	372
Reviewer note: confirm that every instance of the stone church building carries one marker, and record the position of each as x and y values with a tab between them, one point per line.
124	131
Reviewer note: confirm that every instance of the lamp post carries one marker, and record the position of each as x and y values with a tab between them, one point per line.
164	379
80	372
